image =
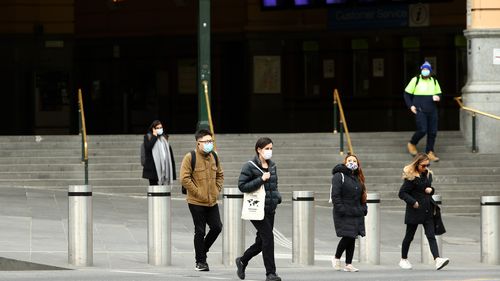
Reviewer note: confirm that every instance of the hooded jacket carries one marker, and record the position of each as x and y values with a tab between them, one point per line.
412	191
348	212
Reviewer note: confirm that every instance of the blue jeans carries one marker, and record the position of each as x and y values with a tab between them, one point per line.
427	123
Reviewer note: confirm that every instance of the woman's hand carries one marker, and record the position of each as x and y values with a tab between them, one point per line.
266	176
415	206
428	190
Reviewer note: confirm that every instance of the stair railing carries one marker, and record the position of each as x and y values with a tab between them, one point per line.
337	105
473	113
209	112
83	133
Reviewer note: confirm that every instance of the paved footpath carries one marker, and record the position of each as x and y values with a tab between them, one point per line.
34	229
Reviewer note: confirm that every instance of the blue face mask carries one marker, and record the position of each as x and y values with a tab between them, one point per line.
208	147
425	72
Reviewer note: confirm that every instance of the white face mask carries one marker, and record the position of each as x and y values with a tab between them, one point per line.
267	154
159	131
352	166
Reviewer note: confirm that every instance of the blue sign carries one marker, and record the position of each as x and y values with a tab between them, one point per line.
368	17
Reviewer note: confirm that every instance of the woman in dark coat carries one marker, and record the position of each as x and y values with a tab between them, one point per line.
417	192
159	164
348	196
261	172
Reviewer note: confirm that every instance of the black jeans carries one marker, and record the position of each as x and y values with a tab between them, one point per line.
427	123
429	233
346	244
201	217
264	242
153	182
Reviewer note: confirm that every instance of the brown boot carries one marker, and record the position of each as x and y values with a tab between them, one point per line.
432	156
412	149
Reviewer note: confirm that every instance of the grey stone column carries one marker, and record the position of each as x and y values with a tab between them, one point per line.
482	91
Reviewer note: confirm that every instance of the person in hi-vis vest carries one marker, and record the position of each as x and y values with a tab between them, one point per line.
421	96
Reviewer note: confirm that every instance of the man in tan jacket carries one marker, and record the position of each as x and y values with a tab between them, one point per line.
203	186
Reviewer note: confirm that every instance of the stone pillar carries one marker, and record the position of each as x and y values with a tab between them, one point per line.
482	91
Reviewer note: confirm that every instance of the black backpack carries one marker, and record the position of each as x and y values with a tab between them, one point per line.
193	164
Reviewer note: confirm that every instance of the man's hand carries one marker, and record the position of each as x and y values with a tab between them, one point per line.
415	206
436	98
413	109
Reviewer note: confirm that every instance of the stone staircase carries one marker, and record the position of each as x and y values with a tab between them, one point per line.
304	163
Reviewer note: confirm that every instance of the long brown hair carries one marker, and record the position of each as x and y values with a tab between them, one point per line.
410	171
360	176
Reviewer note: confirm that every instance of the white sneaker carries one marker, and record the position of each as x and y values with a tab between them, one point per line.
441	262
336	264
350	268
405	264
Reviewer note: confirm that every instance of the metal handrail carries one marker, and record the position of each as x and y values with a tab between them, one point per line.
83	133
473	113
209	112
460	103
343	124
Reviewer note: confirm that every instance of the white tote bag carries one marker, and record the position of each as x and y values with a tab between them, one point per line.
253	202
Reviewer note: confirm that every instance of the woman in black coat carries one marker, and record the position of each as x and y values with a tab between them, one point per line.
261	172
417	192
348	196
159	164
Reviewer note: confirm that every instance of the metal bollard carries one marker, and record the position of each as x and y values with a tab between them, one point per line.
233	244
490	229
369	246
80	226
303	227
159	225
426	255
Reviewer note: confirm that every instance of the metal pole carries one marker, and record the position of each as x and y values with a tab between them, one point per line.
334	114
474	147
303	227
369	246
490	229
341	135
427	257
80	230
233	244
159	225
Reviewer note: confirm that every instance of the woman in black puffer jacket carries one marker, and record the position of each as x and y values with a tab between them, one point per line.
261	172
348	196
417	193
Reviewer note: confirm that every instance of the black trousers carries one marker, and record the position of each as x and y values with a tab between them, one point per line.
427	123
153	182
429	233
264	242
203	216
346	244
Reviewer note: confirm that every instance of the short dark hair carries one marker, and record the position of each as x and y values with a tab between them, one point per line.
262	142
201	133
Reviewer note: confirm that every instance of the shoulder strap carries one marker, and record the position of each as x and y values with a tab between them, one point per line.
193	160
416	83
216	158
342	174
256	166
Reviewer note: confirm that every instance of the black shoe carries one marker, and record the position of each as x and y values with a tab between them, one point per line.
201	266
241	268
273	277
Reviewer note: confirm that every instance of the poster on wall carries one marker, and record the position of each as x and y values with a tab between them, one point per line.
328	69
267	74
378	67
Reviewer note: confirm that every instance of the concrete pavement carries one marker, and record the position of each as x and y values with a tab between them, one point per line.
34	229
